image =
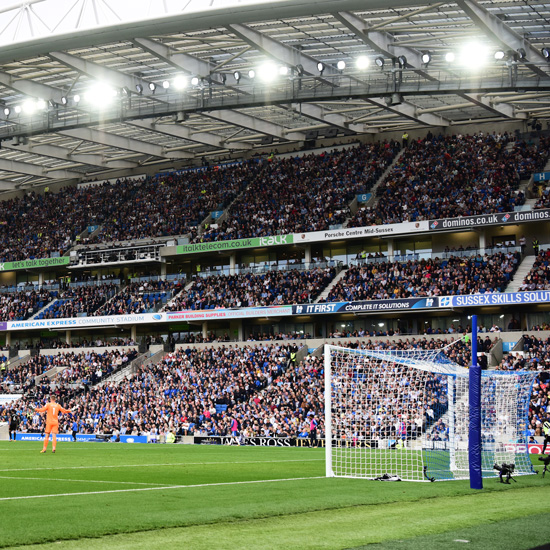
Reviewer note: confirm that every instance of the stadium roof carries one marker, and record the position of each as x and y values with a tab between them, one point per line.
92	87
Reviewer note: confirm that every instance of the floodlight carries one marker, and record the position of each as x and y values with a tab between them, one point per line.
139	88
450	57
223	78
268	71
126	91
426	57
499	55
52	103
165	84
283	70
300	70
41	104
29	106
237	75
545	53
251	74
320	67
7	111
64	100
195	81
402	60
100	94
522	54
341	65
17	109
152	86
76	98
362	62
379	61
180	82
473	55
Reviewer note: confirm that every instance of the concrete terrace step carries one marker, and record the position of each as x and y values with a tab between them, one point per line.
522	271
330	286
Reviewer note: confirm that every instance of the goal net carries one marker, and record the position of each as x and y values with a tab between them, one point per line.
406	413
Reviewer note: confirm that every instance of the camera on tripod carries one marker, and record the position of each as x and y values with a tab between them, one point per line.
505	471
546	462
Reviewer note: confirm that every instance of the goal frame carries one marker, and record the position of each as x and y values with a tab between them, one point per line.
453	373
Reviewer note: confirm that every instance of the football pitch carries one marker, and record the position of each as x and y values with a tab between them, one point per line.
113	496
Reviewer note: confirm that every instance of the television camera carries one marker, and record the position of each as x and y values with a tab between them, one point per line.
505	471
546	462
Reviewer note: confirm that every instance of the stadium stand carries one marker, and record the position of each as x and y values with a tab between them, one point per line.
249	290
85	368
307	193
19	305
538	277
450	176
141	297
78	301
434	277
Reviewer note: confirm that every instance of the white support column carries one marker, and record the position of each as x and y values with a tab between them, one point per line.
390	250
8	338
68	337
133	333
232	263
204	329
41	278
163	269
482	241
307	257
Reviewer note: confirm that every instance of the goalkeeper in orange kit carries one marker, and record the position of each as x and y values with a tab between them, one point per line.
52	410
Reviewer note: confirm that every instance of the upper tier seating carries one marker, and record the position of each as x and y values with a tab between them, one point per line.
451	176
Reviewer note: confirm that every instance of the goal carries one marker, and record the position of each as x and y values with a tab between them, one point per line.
406	413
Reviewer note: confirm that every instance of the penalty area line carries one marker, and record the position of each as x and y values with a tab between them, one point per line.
163	488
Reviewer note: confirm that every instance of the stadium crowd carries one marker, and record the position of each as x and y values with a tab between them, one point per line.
78	301
30	226
17	306
141	297
56	343
434	277
436	177
250	290
307	193
259	386
85	368
91	367
534	356
180	393
452	176
538	277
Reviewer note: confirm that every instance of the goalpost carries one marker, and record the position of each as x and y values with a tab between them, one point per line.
406	413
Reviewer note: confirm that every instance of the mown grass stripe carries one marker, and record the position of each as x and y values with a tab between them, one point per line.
164	487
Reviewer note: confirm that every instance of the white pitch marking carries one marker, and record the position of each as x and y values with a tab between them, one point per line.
161	488
80	480
151	465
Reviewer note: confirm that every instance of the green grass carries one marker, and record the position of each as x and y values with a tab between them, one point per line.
114	496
